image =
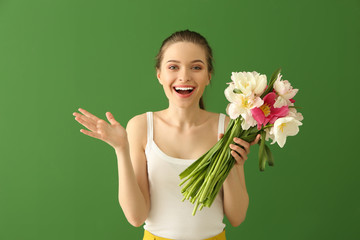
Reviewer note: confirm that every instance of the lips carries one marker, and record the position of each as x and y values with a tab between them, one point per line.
184	86
184	91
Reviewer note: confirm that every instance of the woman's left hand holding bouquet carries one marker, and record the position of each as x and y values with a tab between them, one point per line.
240	153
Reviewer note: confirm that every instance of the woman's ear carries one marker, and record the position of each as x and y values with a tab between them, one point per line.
209	79
158	75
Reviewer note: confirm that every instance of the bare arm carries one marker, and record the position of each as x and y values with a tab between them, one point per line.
236	198
134	195
128	144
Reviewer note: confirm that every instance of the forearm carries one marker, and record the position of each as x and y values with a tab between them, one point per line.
236	198
130	196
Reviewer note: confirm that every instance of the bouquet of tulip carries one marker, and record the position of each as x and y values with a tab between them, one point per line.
254	108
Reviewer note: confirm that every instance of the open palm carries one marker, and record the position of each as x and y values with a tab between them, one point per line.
113	134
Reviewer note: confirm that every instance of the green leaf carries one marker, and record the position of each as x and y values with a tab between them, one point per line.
275	74
269	156
295	107
263	162
272	80
262	152
236	90
191	168
206	176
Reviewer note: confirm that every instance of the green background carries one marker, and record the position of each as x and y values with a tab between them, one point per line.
57	56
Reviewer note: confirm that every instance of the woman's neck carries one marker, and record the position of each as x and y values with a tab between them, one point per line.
184	118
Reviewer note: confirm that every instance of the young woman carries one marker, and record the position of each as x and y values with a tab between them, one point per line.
149	164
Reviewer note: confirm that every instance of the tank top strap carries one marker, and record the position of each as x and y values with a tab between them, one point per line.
150	128
221	127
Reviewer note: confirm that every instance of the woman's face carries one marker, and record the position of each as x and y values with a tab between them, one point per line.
183	73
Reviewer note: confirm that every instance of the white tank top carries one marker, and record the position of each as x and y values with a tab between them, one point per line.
169	217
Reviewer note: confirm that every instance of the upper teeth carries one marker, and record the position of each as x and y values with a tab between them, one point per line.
184	88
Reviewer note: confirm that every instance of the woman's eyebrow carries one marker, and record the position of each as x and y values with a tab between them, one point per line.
197	60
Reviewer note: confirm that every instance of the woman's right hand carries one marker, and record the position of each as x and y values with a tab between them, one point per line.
113	134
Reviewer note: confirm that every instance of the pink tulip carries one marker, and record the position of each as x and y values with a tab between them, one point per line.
267	113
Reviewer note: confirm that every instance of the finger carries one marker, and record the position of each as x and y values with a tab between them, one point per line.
89	115
239	150
221	135
237	157
91	134
243	143
257	139
111	118
83	120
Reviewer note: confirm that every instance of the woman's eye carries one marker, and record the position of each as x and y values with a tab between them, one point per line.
172	67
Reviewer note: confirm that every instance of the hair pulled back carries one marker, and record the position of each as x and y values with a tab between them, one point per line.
187	36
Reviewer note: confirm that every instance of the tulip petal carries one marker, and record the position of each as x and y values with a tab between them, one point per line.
290	94
258	115
273	119
257	102
280	102
280	112
229	93
249	121
233	110
270	98
281	140
268	120
261	85
292	129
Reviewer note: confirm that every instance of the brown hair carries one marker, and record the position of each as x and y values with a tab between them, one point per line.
187	36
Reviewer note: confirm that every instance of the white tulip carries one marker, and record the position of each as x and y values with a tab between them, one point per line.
241	104
249	121
234	110
269	134
283	127
285	91
295	114
249	82
229	92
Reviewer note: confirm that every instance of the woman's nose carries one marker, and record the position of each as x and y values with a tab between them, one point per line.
184	75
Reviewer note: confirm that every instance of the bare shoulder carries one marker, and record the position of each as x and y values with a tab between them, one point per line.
215	117
136	129
138	120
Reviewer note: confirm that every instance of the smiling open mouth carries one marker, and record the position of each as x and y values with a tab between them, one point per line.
183	91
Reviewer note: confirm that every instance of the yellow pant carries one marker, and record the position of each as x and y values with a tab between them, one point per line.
149	236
